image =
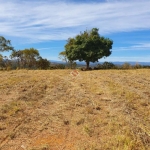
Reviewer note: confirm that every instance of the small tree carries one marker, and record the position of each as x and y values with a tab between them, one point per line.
126	66
1	60
7	64
30	56
5	45
71	64
108	65
17	55
43	63
26	58
88	46
62	56
137	66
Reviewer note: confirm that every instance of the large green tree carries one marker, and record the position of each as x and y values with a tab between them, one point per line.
88	46
5	45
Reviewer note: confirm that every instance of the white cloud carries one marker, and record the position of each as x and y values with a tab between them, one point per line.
51	20
139	46
142	46
49	48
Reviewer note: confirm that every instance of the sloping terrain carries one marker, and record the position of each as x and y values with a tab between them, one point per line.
75	110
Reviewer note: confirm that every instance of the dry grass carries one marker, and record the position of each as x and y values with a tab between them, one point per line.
96	110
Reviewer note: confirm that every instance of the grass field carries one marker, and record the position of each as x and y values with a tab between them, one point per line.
60	110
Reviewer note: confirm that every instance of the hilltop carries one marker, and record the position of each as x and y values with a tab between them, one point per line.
61	109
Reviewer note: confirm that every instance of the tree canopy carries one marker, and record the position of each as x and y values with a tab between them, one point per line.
5	45
26	58
88	46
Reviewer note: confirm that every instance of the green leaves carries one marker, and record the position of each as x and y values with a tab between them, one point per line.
5	45
88	46
43	63
26	58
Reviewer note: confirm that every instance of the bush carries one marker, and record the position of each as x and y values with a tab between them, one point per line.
147	67
8	68
99	66
105	65
85	69
43	64
57	66
126	66
108	65
137	66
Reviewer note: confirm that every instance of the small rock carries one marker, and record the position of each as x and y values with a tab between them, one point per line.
98	108
66	122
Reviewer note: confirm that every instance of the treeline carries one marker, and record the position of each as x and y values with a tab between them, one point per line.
20	59
110	65
31	59
24	59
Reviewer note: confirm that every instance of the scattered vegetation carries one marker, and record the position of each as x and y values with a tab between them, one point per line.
44	109
78	48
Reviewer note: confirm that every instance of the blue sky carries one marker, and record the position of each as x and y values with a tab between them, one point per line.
47	24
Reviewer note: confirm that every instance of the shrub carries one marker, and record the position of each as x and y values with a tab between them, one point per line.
43	64
105	65
57	66
8	68
126	66
108	65
137	66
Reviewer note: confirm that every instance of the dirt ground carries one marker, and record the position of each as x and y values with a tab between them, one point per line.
75	110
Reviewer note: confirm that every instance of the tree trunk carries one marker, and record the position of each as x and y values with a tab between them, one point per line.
87	65
18	63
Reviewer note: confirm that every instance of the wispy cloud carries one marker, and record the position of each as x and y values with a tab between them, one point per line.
50	20
49	48
139	46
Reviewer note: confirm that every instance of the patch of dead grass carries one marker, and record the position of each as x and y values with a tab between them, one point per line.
97	110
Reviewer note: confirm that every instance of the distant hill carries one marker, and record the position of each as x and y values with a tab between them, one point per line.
94	64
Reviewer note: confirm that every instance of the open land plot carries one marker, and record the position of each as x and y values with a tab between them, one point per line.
89	110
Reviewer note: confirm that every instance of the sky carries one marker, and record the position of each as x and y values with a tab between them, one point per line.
47	24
